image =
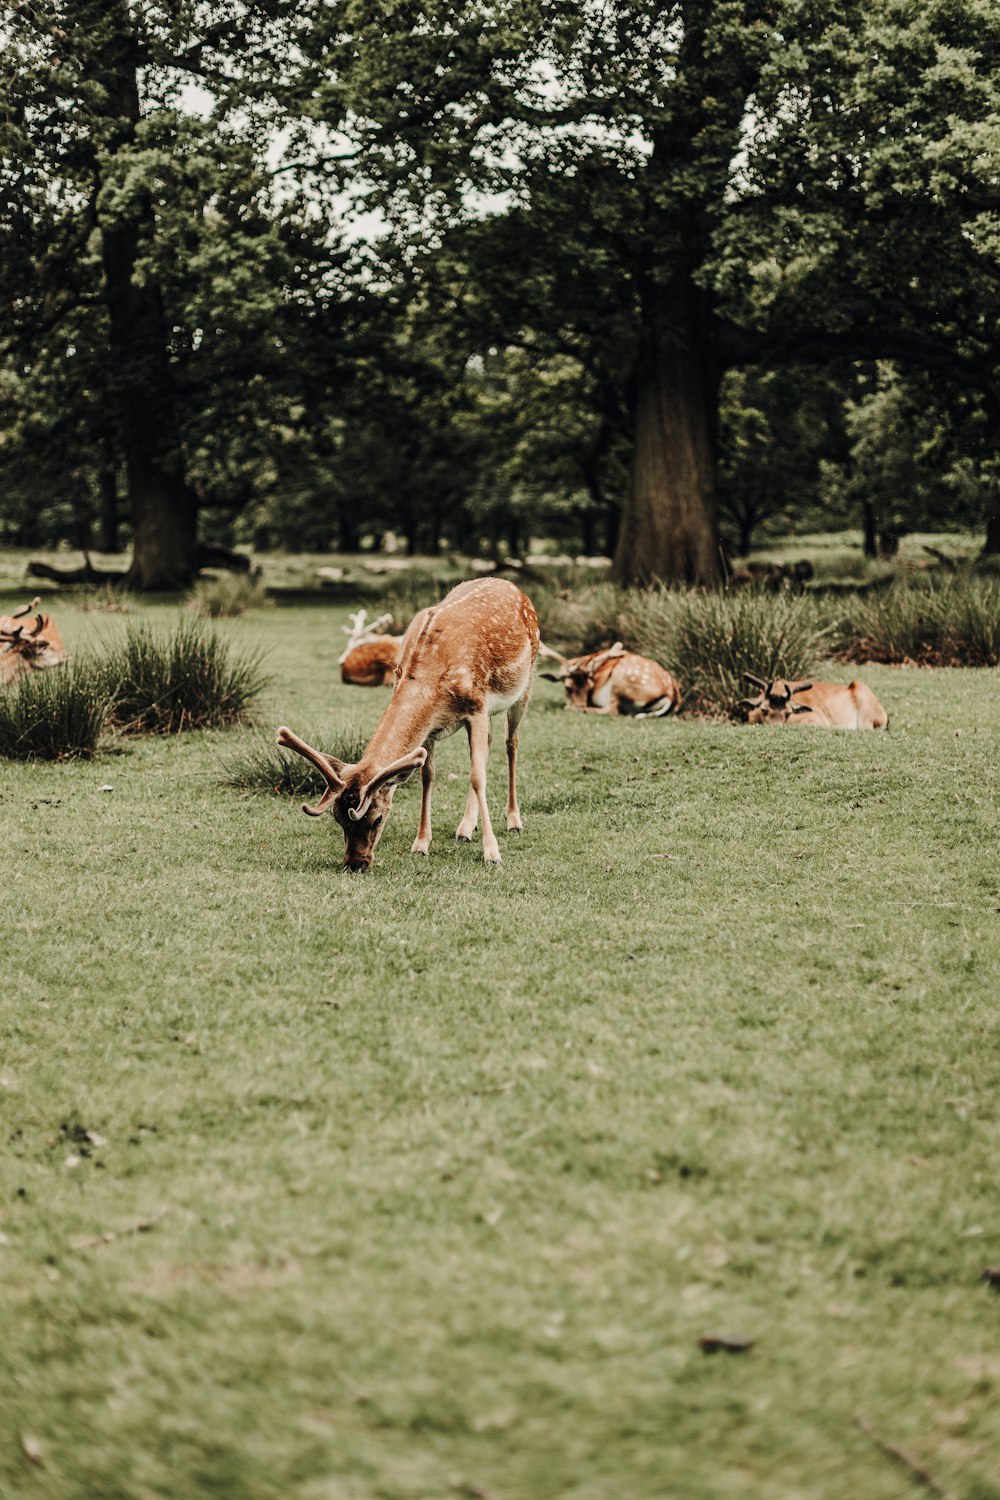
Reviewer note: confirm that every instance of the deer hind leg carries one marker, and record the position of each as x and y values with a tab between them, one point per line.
470	818
422	843
514	715
479	749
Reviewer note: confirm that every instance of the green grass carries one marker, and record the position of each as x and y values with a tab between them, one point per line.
227	595
57	713
459	1163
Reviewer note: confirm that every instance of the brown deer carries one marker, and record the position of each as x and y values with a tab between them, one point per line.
825	705
24	648
616	681
462	660
370	658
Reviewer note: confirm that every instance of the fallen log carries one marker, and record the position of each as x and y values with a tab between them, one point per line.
208	555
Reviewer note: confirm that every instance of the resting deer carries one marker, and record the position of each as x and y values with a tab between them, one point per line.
616	681
23	649
462	660
826	705
369	659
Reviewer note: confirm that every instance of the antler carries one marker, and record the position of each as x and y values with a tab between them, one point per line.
758	682
358	631
548	654
327	765
601	657
27	608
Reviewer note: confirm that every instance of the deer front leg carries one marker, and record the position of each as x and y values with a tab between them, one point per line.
422	843
479	749
514	715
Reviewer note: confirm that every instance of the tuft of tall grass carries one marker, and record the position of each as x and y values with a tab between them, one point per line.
260	765
933	621
714	638
227	596
57	714
185	678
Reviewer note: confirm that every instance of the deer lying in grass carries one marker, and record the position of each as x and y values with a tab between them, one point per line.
24	648
369	659
826	705
462	660
616	681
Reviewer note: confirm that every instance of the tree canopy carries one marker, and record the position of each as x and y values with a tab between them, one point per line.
656	273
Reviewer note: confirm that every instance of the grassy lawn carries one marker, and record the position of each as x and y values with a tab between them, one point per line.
446	1169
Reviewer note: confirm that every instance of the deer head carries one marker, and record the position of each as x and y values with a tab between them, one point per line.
577	674
28	647
360	801
773	703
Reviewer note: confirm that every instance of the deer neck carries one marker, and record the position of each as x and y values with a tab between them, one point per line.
410	718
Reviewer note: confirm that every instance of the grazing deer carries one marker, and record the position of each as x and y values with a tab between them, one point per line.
23	649
370	658
826	705
616	681
462	660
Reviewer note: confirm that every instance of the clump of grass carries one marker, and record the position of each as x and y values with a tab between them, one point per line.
57	714
105	599
932	621
229	595
712	639
583	621
260	765
187	678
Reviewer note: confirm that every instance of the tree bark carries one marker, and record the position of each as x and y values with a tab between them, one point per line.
991	546
163	507
668	530
870	522
107	510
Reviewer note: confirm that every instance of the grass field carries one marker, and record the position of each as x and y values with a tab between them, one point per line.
446	1169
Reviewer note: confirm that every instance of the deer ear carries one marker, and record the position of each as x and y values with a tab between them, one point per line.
552	676
801	708
757	682
400	770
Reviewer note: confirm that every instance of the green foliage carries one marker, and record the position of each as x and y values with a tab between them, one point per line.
258	764
59	713
227	596
939	621
187	677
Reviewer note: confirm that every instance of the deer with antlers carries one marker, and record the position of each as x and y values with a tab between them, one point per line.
370	657
825	705
615	681
26	649
461	662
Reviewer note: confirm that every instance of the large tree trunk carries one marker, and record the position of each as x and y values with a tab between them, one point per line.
992	544
162	505
870	524
668	528
107	510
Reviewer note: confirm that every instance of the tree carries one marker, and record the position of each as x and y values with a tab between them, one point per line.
154	235
670	191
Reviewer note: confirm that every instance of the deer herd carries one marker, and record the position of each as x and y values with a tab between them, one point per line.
460	663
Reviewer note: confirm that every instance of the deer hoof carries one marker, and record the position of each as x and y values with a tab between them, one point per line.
493	859
462	838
